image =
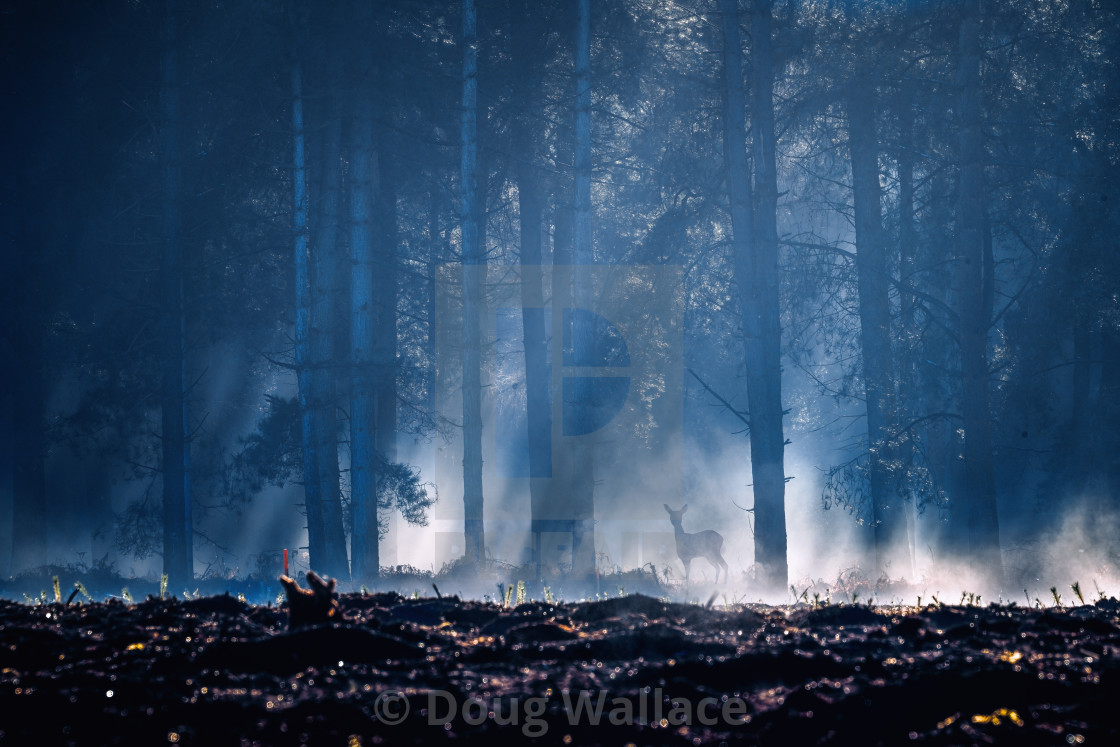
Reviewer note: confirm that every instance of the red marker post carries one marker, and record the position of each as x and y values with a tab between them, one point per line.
285	561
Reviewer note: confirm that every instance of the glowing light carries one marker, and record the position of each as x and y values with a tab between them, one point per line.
995	718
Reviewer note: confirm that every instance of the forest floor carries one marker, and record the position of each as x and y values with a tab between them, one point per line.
627	670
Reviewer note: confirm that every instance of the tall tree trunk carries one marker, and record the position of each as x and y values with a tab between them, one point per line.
755	260
875	324
302	261
562	235
1107	408
765	382
582	247
534	323
7	463
582	474
99	508
29	482
1079	443
387	292
364	462
178	533
907	373
328	296
474	271
983	521
938	382
538	377
435	256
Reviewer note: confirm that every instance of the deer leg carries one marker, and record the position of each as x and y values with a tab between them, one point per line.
687	568
723	565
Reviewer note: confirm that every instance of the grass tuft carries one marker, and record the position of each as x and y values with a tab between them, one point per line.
1077	591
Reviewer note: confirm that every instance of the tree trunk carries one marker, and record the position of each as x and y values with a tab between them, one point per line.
1079	444
474	271
562	235
765	382
875	326
756	274
534	322
301	259
582	475
538	377
29	483
939	383
328	296
99	508
7	463
582	247
364	463
534	330
905	352
435	255
178	560
983	521
387	292
1107	409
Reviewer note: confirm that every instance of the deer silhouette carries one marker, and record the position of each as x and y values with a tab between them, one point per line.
705	544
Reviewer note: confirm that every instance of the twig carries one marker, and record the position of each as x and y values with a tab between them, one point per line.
742	416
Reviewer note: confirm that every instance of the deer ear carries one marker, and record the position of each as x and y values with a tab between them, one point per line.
666	505
684	508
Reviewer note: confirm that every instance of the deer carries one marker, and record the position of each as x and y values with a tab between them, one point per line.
705	544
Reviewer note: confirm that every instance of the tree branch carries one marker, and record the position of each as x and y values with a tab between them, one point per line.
741	415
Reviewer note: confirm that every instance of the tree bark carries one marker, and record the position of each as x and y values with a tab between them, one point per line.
754	245
1107	407
435	257
328	298
99	508
302	262
534	330
538	377
29	483
768	438
474	271
534	322
387	292
983	520
875	325
1079	444
364	462
178	561
7	463
582	475
905	352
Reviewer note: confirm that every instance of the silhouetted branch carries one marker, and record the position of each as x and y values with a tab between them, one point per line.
741	415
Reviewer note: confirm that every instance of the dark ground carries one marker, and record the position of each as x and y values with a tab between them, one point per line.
215	671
